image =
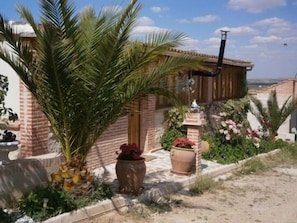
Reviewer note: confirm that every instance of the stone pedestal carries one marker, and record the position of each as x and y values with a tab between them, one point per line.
5	149
194	121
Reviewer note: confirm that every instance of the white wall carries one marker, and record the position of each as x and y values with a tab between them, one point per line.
284	130
12	98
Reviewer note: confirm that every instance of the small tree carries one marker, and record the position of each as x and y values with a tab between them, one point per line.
272	116
85	70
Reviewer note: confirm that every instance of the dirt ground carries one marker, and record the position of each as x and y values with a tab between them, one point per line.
270	197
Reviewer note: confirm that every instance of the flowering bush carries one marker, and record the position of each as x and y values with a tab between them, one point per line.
129	152
228	130
183	142
234	140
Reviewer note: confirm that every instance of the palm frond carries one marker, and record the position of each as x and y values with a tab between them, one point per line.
274	114
84	70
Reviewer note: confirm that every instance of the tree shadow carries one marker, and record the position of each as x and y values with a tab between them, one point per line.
18	177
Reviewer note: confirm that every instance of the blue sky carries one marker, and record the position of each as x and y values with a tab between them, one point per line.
261	31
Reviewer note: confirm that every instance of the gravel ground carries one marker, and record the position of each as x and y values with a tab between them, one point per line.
270	197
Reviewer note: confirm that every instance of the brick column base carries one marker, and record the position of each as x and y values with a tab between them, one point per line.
194	122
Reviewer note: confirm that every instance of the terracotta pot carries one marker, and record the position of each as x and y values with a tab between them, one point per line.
130	174
204	146
183	161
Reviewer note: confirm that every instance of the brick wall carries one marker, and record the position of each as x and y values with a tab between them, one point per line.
33	125
287	87
35	131
103	152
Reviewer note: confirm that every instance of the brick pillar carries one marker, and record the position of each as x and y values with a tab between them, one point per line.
194	122
34	127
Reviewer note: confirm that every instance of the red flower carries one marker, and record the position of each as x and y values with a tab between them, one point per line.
183	142
129	152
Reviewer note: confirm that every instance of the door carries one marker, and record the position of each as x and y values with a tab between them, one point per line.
134	127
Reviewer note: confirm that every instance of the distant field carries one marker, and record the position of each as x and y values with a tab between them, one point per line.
260	83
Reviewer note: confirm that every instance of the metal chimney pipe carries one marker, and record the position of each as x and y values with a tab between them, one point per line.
220	59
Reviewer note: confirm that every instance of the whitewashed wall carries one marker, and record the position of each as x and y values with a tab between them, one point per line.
284	130
12	99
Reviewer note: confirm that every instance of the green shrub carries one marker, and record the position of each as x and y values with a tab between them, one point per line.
251	166
168	138
225	153
201	184
176	117
157	207
291	150
232	139
59	201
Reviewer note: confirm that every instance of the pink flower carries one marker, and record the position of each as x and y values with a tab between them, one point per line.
236	131
216	117
228	137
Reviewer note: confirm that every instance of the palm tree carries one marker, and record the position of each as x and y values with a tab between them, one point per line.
272	116
84	70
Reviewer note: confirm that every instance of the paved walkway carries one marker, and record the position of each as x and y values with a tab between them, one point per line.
158	179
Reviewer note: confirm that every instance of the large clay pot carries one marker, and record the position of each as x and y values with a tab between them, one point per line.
130	174
183	161
204	146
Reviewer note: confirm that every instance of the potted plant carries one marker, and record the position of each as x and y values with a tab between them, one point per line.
182	156
8	140
130	169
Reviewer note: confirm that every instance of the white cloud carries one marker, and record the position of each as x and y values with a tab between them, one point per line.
289	40
266	39
240	30
191	41
207	18
204	19
252	46
255	6
190	44
157	9
144	21
141	31
276	26
213	40
279	31
274	21
184	21
294	3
